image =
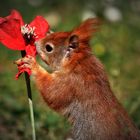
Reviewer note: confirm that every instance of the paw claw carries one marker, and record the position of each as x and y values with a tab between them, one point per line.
27	62
18	62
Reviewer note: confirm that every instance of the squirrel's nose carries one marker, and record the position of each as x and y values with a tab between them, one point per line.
36	43
38	46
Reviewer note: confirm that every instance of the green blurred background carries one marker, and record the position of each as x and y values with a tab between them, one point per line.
117	45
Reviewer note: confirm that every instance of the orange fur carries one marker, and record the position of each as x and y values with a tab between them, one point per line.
78	87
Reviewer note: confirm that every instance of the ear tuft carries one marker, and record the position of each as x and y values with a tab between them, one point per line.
87	29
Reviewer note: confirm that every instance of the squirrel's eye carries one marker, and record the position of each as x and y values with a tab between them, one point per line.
49	48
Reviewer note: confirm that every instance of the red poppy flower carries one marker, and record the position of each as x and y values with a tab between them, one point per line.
16	35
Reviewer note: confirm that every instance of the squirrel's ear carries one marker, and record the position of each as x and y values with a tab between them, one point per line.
73	41
87	29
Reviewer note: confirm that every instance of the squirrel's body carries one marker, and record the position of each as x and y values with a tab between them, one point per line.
86	99
79	88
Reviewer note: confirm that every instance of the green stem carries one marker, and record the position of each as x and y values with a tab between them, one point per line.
32	118
28	85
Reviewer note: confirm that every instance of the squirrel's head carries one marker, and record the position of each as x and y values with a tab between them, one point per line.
63	49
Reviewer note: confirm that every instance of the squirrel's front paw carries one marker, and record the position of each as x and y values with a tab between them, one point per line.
27	62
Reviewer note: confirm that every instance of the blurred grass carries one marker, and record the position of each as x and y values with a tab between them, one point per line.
117	45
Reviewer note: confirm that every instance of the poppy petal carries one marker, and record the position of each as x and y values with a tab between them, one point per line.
15	15
2	20
31	50
41	26
10	34
22	70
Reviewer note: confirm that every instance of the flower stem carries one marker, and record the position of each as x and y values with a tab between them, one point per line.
28	85
32	119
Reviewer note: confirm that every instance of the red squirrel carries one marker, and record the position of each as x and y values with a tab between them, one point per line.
78	87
